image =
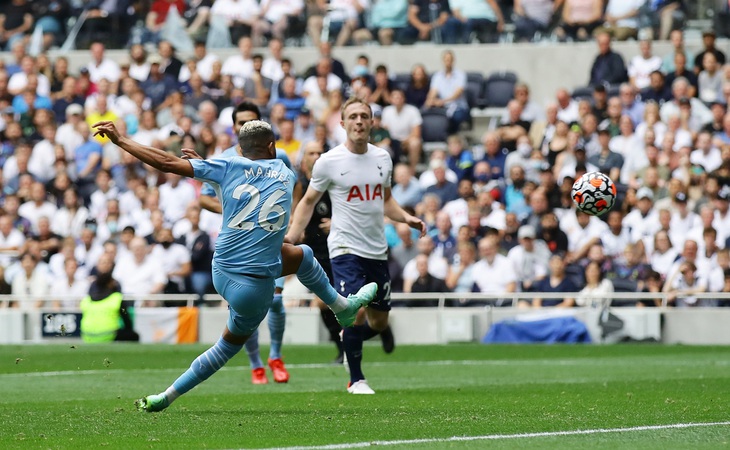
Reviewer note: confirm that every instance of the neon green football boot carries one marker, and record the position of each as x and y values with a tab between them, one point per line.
152	403
363	297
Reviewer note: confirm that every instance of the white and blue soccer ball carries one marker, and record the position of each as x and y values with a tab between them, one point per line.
594	193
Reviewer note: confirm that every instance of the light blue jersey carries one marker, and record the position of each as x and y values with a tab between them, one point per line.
208	190
256	198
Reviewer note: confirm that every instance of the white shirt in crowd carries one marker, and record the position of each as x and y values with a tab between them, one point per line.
579	236
494	278
14	239
34	212
139	279
174	200
401	123
172	260
70	294
438	267
108	69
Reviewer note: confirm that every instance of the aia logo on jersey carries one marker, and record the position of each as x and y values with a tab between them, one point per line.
365	193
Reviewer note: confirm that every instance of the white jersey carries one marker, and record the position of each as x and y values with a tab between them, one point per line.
356	185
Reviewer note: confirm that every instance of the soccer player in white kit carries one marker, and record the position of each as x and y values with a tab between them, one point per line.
357	176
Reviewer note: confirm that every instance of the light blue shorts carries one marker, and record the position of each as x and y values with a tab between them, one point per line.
249	299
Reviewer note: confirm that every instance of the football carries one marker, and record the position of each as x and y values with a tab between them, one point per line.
594	193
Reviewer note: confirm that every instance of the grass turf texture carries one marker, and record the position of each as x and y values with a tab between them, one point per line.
64	396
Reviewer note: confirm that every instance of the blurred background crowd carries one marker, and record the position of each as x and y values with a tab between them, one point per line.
498	207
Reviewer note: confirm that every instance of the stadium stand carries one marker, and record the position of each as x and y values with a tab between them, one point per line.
674	179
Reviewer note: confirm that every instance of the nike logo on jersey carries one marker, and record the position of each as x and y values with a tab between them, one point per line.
342	174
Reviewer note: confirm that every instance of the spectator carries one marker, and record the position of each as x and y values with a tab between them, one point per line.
389	20
240	67
706	154
323	70
608	67
286	141
677	40
448	91
175	260
514	127
567	107
155	19
443	238
460	276
199	246
446	190
139	273
158	86
275	18
710	80
71	288
100	66
597	291
406	190
658	90
16	19
11	240
458	209
404	124
663	12
533	16
38	206
682	71
480	19
272	66
641	66
493	273
580	18
240	16
20	79
583	231
170	64
406	249
708	40
31	282
290	99
621	20
529	258
425	282
257	88
437	264
718	110
305	127
557	281
431	20
681	287
460	159
698	113
345	19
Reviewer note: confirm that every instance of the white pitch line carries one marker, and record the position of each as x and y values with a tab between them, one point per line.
491	437
477	362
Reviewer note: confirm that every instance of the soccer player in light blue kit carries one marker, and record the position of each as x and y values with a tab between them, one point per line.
255	190
276	320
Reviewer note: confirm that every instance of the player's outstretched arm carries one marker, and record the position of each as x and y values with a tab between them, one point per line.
159	159
303	214
395	212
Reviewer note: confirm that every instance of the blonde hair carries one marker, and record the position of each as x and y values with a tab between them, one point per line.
352	101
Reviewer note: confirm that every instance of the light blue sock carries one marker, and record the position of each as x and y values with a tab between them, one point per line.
206	365
252	349
277	324
312	276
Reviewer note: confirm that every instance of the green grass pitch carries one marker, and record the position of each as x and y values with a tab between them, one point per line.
80	396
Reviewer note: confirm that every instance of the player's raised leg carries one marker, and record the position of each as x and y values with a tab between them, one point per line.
299	260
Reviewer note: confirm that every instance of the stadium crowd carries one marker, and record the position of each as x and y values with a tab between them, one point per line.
499	211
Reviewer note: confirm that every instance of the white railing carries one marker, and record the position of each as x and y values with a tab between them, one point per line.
494	299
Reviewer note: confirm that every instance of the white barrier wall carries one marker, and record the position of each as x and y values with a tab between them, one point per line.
707	326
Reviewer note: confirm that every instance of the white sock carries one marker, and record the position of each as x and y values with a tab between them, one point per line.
340	304
171	394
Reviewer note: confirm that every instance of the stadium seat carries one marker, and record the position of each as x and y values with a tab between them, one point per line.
474	94
499	88
435	125
402	80
613	91
581	93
